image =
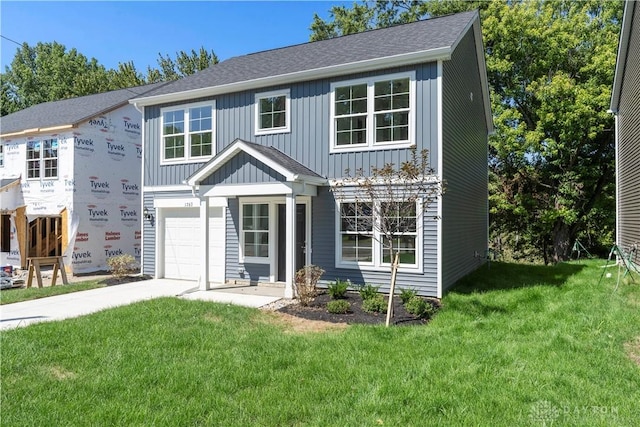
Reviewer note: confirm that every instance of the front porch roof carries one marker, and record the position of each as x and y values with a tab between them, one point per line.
290	169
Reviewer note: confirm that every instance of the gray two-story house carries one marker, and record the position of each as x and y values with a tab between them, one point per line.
625	104
239	159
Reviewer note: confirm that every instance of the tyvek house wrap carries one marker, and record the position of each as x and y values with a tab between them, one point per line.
98	183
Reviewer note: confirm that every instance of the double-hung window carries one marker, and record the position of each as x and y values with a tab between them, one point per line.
373	113
42	159
187	133
255	232
1	155
273	112
366	238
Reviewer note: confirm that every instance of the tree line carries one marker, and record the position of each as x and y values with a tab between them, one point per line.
49	72
550	67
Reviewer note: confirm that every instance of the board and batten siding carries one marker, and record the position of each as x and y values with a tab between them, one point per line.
628	168
242	169
323	231
465	165
251	272
309	139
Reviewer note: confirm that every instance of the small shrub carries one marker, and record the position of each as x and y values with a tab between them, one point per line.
338	289
338	306
407	294
306	283
368	291
419	307
123	265
375	304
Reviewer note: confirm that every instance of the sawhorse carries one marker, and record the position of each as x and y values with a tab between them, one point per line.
36	262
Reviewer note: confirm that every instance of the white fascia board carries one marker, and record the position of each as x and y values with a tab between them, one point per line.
623	47
165	188
443	53
37	130
235	190
309	179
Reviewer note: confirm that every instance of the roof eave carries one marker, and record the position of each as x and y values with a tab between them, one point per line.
623	47
65	126
443	53
37	130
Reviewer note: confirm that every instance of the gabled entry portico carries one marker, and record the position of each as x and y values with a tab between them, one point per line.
272	224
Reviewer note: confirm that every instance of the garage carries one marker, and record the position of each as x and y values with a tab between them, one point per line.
182	253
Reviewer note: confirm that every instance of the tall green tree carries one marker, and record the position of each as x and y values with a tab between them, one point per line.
550	68
48	72
184	64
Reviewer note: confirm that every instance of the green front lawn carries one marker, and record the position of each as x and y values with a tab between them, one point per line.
9	296
513	345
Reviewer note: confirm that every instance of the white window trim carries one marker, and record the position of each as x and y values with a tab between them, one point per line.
272	206
283	129
370	131
42	162
377	264
187	146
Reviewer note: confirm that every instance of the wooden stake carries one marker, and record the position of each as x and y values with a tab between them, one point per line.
392	289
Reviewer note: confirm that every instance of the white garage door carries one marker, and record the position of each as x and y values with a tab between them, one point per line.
182	243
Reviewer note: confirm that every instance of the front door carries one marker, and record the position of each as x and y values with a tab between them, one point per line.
301	232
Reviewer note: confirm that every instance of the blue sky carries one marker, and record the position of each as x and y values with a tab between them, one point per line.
121	31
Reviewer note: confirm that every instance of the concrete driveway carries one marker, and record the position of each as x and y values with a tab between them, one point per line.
85	302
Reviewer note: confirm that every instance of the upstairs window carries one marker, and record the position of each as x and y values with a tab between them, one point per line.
1	155
272	112
42	159
187	133
374	113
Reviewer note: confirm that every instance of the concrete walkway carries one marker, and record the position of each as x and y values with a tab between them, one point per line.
85	302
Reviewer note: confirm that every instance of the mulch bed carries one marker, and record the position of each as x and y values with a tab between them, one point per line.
317	310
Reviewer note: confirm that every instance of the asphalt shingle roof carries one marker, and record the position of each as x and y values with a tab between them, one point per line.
431	34
70	111
282	159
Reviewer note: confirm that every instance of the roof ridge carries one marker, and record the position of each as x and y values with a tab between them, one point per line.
343	36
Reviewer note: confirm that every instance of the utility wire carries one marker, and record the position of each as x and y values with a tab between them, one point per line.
12	41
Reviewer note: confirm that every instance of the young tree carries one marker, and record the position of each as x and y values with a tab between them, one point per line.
389	204
550	68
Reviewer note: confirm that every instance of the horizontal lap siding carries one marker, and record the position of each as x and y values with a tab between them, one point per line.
465	167
629	143
324	249
309	139
148	239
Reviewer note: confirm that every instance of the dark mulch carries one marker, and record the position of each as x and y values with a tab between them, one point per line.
126	279
317	310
